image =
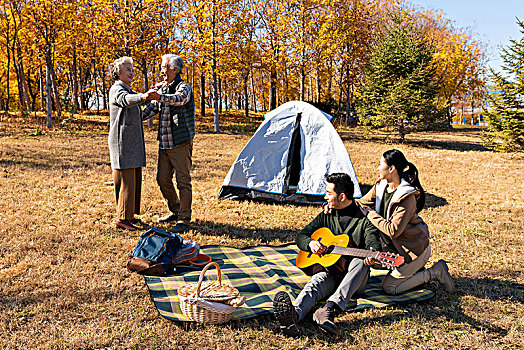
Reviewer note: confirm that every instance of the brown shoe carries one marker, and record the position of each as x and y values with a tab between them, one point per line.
439	272
126	225
168	218
325	319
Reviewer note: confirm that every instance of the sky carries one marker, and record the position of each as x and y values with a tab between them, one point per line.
492	22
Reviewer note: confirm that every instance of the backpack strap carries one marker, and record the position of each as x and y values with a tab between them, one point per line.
200	256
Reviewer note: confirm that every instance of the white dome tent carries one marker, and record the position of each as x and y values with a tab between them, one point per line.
287	158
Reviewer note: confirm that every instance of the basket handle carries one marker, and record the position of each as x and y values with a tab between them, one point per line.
201	278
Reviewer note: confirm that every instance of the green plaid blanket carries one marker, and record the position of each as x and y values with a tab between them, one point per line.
259	273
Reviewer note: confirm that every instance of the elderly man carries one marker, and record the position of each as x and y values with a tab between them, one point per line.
174	102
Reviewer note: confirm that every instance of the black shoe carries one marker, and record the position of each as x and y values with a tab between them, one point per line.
325	319
169	218
180	228
137	222
285	314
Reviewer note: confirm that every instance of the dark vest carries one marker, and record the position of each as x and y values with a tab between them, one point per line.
182	117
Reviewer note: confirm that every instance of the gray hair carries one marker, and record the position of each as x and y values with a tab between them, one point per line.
114	68
174	61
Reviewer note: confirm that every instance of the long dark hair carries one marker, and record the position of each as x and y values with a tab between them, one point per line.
406	171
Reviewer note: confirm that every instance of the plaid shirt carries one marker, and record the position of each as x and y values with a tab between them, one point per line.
179	98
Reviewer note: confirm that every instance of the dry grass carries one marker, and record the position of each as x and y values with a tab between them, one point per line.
63	284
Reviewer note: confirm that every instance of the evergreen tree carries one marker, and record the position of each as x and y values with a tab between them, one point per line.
506	113
400	89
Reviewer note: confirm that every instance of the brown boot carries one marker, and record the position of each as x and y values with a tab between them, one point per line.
439	272
286	314
325	319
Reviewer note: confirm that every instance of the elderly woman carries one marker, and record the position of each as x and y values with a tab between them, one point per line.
126	143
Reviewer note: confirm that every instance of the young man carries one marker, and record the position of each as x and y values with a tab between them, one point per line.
345	217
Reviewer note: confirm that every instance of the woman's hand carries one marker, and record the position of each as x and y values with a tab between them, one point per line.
369	261
365	210
152	94
317	248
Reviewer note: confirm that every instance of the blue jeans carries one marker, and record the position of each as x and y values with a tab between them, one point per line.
339	288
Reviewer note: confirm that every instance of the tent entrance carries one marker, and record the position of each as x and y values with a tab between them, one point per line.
294	163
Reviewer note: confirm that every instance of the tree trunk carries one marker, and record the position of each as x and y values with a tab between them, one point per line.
32	93
401	131
193	74
253	92
318	87
449	115
8	64
202	92
223	86
146	86
41	87
286	85
220	95
22	77
302	83
97	97
263	97
49	108
472	111
216	126
246	95
75	82
273	89
19	83
104	87
54	83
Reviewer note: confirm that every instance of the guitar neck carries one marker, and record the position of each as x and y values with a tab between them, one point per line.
359	253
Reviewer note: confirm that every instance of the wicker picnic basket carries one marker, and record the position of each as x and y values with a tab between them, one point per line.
209	302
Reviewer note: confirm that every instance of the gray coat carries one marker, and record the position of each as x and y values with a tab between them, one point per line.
126	132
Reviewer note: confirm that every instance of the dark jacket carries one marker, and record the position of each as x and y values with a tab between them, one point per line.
182	117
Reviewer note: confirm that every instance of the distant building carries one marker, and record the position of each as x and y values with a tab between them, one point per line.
464	113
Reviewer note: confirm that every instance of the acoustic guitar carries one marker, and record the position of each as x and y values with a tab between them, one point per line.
337	246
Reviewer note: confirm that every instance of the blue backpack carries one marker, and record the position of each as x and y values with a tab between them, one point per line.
158	251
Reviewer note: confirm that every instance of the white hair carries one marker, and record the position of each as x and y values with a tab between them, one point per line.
114	68
174	61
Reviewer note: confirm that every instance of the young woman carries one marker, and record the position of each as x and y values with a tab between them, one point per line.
392	205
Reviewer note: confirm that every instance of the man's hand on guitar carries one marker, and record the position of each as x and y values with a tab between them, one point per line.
317	248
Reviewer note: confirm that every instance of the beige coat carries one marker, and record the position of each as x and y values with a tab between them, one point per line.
406	229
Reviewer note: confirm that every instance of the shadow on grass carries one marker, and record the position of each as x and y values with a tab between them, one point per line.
232	231
450	306
54	164
462	146
433	201
444	305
